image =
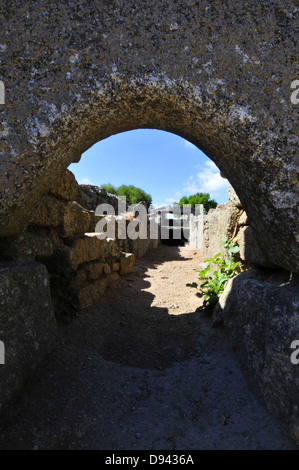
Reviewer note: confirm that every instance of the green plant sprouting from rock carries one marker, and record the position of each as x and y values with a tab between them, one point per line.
214	283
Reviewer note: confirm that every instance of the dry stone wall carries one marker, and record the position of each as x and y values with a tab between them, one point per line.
61	235
228	221
54	269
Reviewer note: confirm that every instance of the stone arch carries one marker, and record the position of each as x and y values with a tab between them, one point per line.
217	75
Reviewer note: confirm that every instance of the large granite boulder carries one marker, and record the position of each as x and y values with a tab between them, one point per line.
260	312
27	323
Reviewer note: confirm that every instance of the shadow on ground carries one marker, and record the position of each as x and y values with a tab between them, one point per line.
128	329
131	375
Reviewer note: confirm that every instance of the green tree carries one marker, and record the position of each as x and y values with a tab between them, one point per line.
109	188
183	200
134	195
199	198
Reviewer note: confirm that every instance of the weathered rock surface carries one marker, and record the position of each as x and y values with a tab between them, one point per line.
243	220
260	311
219	223
156	65
76	220
91	248
249	248
126	263
90	197
65	186
65	259
26	245
94	270
90	294
232	222
233	198
49	213
27	322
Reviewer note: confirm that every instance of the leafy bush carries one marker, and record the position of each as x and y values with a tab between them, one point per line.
134	195
214	283
198	198
109	188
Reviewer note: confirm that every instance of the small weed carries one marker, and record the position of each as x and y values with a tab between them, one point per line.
214	283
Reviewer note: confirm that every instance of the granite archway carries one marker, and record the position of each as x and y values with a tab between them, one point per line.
217	74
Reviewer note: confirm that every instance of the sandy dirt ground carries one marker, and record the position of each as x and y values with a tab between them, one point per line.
142	370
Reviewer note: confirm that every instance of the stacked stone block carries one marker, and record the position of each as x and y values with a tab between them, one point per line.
62	236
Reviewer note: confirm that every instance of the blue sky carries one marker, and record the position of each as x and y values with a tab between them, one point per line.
162	164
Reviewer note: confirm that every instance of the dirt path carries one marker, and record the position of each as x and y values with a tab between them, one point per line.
142	371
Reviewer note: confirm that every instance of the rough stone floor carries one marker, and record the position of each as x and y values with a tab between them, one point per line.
142	370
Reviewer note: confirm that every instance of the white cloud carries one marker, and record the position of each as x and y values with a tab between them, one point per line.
207	180
85	181
159	205
212	165
170	200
